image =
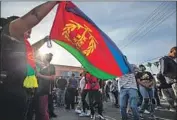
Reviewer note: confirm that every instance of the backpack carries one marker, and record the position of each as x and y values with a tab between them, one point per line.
168	67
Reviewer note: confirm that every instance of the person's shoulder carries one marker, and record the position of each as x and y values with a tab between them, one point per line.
5	35
163	57
167	58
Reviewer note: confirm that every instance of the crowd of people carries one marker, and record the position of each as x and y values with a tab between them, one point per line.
136	92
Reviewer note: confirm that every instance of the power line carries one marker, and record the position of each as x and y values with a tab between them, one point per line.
151	59
159	15
163	18
147	20
155	26
149	24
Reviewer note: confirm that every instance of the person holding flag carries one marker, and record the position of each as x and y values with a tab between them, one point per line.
129	93
14	62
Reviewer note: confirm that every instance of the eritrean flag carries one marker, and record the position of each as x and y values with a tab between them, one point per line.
79	35
30	80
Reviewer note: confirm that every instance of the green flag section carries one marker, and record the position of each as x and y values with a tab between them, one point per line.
81	58
31	80
30	70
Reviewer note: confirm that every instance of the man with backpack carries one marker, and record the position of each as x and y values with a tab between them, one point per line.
168	68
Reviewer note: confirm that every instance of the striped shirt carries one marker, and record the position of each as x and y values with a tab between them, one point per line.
128	80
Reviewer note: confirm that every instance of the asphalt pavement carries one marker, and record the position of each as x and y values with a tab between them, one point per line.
112	113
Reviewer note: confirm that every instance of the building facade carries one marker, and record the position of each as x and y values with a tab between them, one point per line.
65	71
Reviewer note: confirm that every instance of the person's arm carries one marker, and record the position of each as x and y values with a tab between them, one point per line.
52	69
56	83
138	76
83	87
150	84
46	77
152	80
18	27
141	83
162	65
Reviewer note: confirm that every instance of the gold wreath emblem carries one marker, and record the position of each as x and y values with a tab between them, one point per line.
30	56
79	39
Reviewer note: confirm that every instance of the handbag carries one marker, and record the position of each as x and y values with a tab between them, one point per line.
43	85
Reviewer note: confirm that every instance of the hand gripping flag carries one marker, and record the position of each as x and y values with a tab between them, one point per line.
30	80
97	53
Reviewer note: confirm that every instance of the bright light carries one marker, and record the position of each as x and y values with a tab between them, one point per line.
43	50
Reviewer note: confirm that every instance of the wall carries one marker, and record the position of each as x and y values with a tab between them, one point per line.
62	70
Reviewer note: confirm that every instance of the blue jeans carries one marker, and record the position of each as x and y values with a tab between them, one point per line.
129	95
146	93
148	96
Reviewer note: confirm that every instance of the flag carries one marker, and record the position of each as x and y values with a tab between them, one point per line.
30	80
97	53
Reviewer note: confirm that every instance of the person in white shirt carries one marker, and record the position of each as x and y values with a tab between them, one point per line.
128	94
80	89
83	93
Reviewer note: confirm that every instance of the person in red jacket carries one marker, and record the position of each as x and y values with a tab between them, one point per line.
94	94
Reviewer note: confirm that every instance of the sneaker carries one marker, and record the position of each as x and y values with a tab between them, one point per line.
172	110
101	117
67	108
152	117
88	112
147	112
83	114
93	117
141	115
52	115
116	105
158	107
78	111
